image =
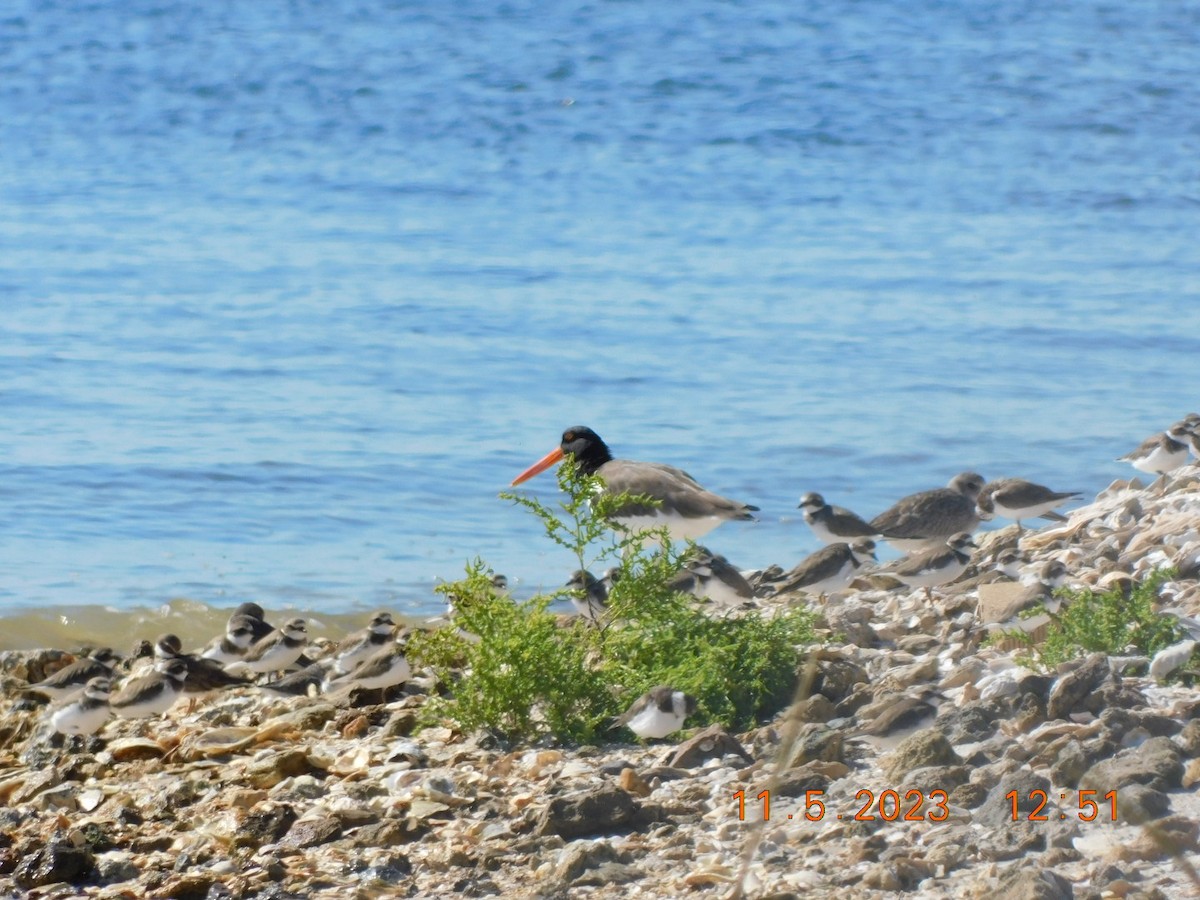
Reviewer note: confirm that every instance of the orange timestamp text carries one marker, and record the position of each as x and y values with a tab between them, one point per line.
889	805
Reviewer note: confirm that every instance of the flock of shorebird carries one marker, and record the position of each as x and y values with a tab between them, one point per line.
83	691
932	527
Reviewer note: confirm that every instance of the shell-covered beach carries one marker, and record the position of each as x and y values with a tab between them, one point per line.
901	766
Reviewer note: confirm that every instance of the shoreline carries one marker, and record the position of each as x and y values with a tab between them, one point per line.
254	795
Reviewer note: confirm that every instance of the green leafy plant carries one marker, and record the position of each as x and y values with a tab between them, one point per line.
1109	622
518	669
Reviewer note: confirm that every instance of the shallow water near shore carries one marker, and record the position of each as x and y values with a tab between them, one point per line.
292	292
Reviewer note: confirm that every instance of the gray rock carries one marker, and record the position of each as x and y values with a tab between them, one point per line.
1073	688
116	865
605	810
711	743
917	751
580	857
968	795
1137	803
796	781
313	832
970	722
905	712
265	826
1189	739
1157	763
1070	765
60	860
837	678
936	778
607	873
817	708
1024	883
819	742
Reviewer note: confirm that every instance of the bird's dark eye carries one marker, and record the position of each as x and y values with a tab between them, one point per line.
569	436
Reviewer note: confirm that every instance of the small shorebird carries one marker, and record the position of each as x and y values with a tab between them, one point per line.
925	520
1016	498
297	684
204	676
1162	453
381	670
151	694
88	712
658	712
833	524
359	645
935	567
279	649
255	612
709	575
1038	588
829	569
233	644
72	679
589	594
1009	563
686	509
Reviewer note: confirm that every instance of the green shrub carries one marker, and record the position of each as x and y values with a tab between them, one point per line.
1109	622
523	674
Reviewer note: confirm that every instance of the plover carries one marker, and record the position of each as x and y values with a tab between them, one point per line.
709	575
1009	562
589	594
359	645
204	676
1161	453
255	612
935	567
658	712
1016	498
152	694
277	650
927	519
297	684
687	510
833	524
233	644
829	569
383	669
1039	588
88	712
71	679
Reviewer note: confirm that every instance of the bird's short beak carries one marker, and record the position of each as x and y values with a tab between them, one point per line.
541	465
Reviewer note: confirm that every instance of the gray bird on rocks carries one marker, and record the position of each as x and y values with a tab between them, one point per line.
829	569
834	524
927	519
1016	498
589	594
657	713
1162	453
70	680
709	575
151	694
359	645
935	567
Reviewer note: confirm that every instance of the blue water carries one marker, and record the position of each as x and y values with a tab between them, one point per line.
291	291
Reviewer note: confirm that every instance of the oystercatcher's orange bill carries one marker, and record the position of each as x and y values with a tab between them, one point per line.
541	465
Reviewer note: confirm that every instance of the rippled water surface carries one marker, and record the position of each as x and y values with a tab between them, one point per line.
291	291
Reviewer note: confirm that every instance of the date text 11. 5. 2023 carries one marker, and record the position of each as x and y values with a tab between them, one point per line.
914	806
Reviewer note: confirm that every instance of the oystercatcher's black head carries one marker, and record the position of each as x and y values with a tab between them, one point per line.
587	447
